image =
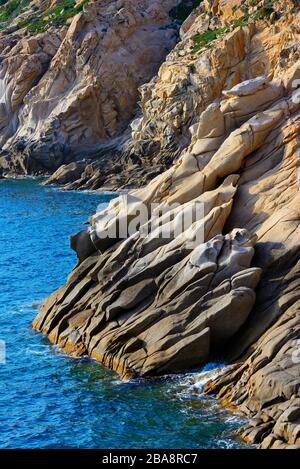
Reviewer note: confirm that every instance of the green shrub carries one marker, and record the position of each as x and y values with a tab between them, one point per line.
55	16
204	39
241	22
10	9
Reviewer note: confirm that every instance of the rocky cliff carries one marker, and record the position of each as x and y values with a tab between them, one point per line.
225	109
221	44
69	76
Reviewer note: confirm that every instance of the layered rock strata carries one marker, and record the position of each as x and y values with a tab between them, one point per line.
221	44
99	60
228	283
69	90
151	305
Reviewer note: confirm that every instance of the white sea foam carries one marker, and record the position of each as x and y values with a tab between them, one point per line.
206	376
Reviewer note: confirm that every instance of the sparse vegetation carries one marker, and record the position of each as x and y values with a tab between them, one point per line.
55	16
184	9
206	39
268	8
10	9
241	22
38	21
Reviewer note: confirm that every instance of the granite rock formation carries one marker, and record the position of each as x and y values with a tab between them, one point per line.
72	88
221	44
228	283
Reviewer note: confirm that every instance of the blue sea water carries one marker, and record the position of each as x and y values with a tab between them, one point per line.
49	400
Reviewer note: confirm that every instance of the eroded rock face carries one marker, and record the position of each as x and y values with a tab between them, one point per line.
102	53
69	90
239	42
149	282
150	305
142	324
266	385
192	77
229	282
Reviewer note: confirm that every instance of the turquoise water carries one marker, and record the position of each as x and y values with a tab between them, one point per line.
48	400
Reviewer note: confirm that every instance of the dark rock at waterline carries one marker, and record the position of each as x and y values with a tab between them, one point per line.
67	173
143	322
82	244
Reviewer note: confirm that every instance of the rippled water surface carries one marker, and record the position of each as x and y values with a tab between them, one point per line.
48	400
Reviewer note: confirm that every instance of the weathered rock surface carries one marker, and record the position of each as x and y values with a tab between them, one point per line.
104	55
67	91
192	76
151	305
228	283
